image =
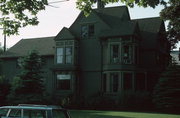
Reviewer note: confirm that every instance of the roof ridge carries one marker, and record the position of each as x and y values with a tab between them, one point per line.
112	7
147	18
33	38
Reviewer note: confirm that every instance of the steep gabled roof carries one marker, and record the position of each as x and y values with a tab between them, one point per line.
150	24
109	17
121	29
149	29
64	34
120	11
43	45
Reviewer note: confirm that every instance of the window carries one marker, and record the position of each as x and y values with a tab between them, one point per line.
110	83
127	81
136	55
64	81
127	54
87	31
140	81
114	82
114	53
60	54
65	52
68	55
104	83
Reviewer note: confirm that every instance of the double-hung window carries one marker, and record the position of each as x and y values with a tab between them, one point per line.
68	55
114	53
60	55
64	53
127	81
114	82
127	54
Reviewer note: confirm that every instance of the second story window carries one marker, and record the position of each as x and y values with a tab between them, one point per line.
127	54
68	55
115	53
87	31
65	52
60	53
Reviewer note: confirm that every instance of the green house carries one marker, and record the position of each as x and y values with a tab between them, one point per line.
105	53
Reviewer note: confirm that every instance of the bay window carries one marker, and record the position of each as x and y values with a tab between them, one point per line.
127	81
59	55
115	53
127	54
65	52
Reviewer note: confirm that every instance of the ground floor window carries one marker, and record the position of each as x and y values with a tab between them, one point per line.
64	81
140	81
127	81
110	82
114	78
114	82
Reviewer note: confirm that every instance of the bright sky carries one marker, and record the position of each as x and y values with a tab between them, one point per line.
52	20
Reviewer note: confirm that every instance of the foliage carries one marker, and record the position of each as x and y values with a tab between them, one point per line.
4	90
167	91
171	13
28	87
86	5
19	13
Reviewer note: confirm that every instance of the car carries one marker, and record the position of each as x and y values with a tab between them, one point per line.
33	111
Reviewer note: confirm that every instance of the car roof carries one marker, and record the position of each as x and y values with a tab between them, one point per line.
36	107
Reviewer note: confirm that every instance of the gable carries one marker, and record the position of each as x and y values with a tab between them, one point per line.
149	29
64	34
120	12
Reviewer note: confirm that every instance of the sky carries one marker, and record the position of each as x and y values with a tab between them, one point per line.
52	20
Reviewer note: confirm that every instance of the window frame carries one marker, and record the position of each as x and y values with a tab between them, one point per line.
64	45
58	84
88	30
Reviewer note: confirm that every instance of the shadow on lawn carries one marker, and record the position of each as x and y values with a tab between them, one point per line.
93	114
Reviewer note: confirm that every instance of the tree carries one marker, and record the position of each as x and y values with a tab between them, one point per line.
4	90
166	93
19	13
25	13
86	5
28	87
171	13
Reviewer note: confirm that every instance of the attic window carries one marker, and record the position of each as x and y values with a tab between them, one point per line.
87	31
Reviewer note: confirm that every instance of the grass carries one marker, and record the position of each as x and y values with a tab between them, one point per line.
117	114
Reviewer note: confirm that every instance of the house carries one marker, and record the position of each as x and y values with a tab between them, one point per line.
106	52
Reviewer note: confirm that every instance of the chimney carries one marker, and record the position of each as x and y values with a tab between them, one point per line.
100	4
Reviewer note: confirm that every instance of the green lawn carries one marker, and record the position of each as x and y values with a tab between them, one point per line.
116	114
